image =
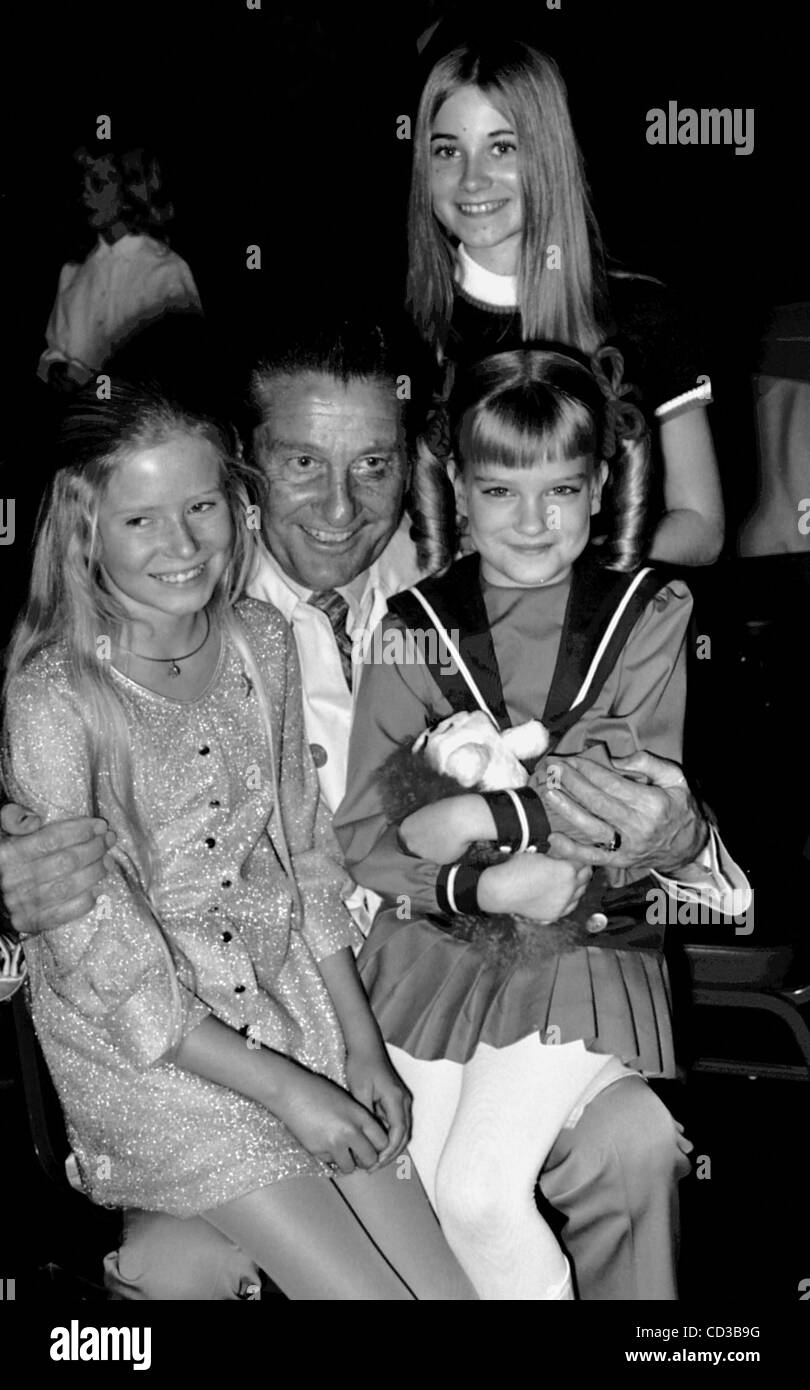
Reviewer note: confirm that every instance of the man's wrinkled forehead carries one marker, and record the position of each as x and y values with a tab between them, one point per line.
314	408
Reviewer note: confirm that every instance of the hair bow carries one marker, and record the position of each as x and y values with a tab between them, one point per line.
623	419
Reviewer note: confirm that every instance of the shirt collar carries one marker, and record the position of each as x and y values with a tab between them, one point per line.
395	569
268	582
484	285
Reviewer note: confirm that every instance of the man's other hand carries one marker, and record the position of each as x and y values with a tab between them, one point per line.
646	799
50	874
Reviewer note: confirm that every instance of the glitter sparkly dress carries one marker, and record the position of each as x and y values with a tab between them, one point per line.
113	990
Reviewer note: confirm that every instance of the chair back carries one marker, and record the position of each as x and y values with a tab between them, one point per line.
45	1122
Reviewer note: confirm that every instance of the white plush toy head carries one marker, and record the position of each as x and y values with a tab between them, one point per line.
469	747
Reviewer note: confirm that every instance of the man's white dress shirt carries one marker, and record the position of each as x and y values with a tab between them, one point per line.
328	703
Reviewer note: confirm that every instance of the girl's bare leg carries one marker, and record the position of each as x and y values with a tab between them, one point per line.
305	1234
392	1206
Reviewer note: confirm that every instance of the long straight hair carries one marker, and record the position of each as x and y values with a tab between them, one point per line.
68	602
566	305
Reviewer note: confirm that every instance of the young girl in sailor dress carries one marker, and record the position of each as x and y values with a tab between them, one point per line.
579	636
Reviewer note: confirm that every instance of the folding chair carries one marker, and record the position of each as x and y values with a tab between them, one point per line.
47	1131
752	978
51	1147
746	726
52	1150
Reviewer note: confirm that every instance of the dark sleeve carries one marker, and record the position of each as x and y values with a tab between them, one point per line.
662	354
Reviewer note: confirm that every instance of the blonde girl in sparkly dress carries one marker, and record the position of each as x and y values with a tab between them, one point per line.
205	1028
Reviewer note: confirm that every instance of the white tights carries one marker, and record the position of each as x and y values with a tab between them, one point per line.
482	1131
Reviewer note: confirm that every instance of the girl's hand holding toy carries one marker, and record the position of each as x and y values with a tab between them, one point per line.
444	830
470	750
534	886
517	893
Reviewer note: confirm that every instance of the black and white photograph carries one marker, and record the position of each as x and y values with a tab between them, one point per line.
405	559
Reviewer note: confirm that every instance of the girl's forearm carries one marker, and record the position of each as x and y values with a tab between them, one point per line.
360	1028
218	1053
684	537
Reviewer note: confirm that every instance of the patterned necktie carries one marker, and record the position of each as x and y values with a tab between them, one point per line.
336	609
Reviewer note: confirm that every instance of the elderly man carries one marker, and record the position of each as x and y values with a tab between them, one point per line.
329	437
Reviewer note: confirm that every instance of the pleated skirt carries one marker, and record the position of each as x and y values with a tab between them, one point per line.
435	996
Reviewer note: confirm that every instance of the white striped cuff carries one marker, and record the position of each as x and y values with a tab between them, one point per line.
699	395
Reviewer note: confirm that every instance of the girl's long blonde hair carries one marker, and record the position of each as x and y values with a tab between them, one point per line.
67	600
565	305
69	604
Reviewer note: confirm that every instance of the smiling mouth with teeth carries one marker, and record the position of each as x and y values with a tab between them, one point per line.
181	576
481	209
329	537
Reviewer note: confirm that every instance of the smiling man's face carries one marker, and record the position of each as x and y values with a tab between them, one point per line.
333	454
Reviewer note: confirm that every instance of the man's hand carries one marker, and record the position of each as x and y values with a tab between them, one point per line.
50	875
652	808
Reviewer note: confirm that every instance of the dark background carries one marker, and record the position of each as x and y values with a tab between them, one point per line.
278	127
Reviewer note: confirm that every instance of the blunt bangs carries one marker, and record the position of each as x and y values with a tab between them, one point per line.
517	431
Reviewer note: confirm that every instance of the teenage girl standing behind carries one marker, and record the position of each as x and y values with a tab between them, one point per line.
504	251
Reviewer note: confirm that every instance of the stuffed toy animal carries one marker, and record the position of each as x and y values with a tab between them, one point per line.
471	749
466	752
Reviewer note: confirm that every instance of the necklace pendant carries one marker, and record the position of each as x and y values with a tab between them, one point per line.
174	669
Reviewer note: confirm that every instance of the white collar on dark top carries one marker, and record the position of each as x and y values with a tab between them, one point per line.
485	285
